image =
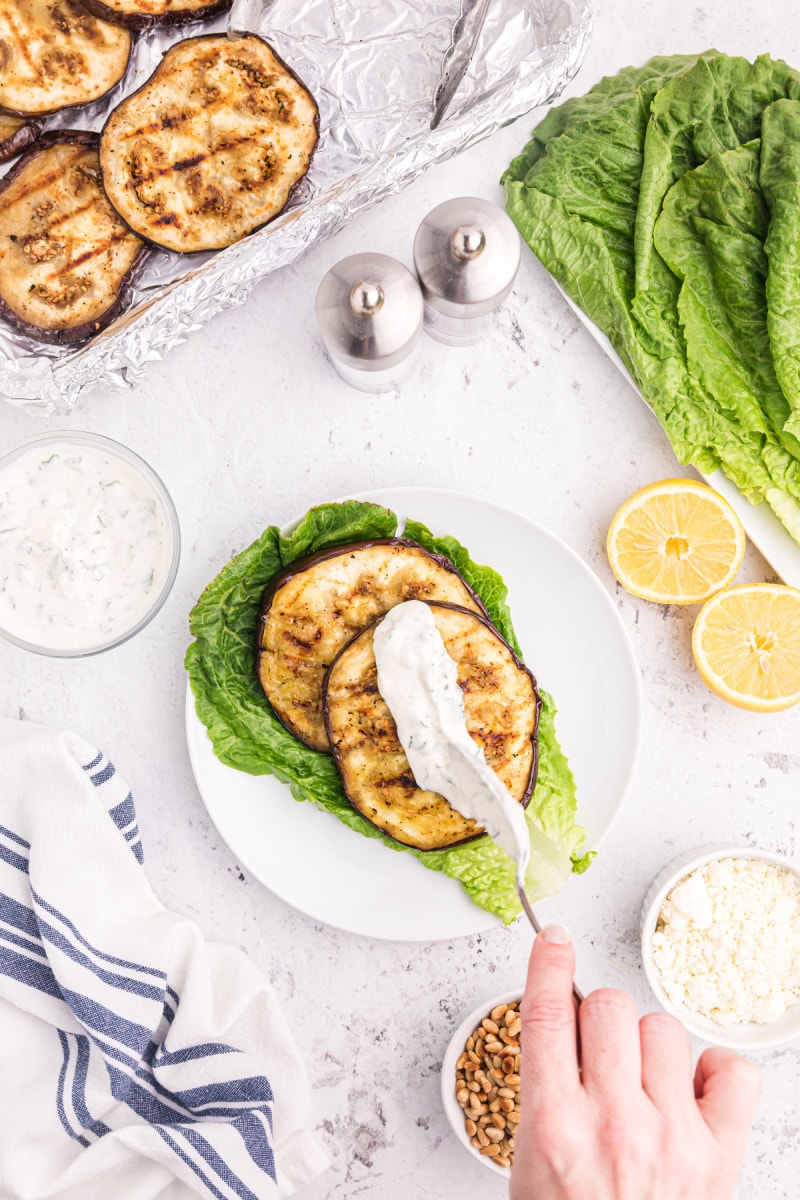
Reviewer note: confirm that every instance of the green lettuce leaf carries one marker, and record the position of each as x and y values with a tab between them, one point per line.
779	177
711	234
247	735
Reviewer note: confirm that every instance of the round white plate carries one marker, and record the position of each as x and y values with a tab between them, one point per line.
577	647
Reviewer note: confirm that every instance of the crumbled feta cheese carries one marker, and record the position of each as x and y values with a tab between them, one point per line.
727	941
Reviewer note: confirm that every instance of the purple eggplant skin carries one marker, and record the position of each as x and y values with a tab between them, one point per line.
297	568
534	770
292	191
174	18
78	333
23	137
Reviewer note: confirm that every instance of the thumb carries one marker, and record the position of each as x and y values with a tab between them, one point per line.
727	1088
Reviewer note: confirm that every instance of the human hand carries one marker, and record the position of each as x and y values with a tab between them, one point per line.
630	1123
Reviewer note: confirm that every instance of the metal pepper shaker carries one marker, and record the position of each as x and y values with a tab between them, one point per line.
466	254
369	310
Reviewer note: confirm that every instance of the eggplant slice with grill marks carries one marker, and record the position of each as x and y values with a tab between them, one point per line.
66	259
16	134
54	54
144	14
502	713
313	608
212	146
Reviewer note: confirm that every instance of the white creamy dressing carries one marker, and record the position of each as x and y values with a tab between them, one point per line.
83	546
419	682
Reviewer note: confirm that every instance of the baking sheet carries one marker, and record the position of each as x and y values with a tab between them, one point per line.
372	66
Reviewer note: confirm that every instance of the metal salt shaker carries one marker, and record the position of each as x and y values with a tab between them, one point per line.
369	310
466	254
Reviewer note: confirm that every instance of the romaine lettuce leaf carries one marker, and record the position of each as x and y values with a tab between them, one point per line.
779	177
711	233
247	735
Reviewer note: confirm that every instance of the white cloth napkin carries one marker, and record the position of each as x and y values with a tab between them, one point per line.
136	1060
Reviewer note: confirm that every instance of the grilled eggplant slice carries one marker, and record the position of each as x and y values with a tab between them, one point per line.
502	710
55	54
144	14
66	259
311	610
16	134
211	147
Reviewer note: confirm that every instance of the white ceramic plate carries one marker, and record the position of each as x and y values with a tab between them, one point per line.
760	523
578	649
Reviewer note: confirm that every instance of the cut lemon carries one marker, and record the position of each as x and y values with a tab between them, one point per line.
675	542
746	644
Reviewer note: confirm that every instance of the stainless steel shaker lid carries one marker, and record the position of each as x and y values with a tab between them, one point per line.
369	310
466	253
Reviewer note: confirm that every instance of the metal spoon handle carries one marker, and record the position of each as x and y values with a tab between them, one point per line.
530	914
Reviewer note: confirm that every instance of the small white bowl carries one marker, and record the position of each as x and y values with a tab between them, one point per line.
749	1035
163	500
454	1111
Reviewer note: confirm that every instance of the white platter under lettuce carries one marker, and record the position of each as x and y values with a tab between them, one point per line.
573	640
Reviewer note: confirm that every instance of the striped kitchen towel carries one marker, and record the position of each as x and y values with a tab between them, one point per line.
136	1060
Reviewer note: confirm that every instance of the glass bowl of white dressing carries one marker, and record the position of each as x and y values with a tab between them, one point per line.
89	544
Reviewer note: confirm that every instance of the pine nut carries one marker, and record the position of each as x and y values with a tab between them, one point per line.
491	1150
499	1013
471	1127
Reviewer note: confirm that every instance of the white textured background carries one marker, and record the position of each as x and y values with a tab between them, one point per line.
248	425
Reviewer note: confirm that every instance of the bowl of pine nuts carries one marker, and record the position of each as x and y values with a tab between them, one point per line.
481	1079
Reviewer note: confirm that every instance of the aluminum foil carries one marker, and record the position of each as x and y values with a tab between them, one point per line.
373	67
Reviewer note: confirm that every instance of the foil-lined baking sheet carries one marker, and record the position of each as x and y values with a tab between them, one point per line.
372	66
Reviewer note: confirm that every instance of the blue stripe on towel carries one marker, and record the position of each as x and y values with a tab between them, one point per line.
13	859
109	958
171	1058
9	833
94	763
19	915
123	814
79	1088
256	1142
217	1164
123	983
103	776
97	1017
27	970
23	943
253	1090
184	1157
62	1114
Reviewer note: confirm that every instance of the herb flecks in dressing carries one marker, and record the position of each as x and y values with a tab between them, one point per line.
419	682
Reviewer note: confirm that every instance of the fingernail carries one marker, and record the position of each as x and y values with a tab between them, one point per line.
557	934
